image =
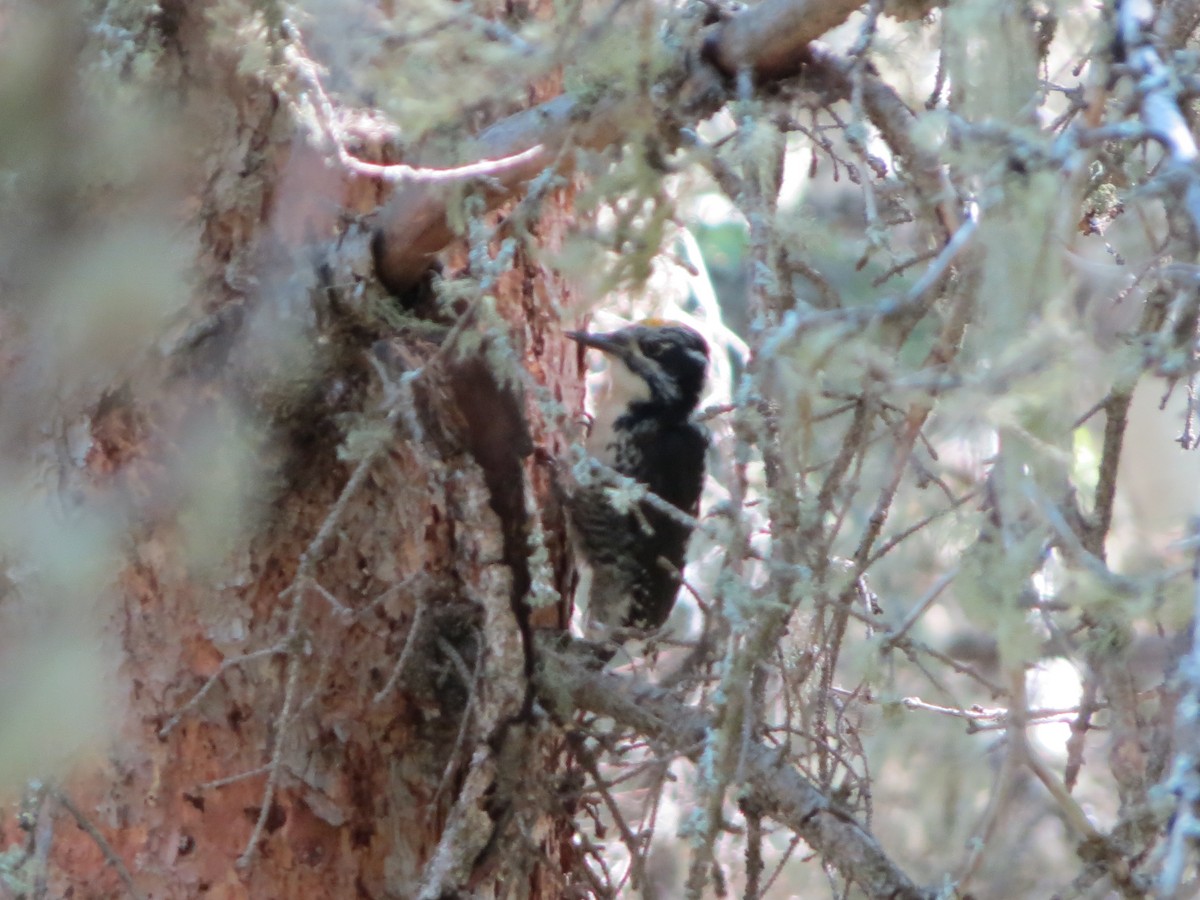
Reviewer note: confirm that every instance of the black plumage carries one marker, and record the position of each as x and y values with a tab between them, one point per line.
644	431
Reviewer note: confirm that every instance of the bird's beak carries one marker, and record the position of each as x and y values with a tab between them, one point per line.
606	343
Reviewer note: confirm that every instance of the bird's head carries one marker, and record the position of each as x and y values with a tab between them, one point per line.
655	364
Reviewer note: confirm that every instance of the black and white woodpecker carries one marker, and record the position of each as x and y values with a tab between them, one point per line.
633	556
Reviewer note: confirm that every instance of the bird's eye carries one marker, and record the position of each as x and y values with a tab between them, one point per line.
654	350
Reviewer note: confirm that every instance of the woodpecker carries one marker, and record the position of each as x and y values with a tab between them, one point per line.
643	430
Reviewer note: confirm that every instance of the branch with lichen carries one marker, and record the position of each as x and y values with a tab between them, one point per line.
779	792
1158	107
1183	783
767	39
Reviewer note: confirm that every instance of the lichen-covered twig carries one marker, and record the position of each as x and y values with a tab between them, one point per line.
1158	105
1184	779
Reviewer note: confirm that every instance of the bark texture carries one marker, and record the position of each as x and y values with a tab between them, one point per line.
311	713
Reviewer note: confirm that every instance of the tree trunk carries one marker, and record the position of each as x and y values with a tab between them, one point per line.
333	514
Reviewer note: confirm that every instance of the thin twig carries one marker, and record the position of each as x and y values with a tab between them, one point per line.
1001	715
904	265
345	613
410	640
921	607
998	803
210	683
891	543
637	854
471	681
110	855
217	783
1080	726
282	724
